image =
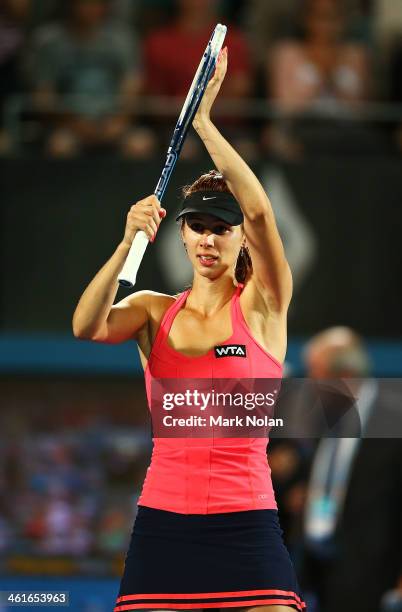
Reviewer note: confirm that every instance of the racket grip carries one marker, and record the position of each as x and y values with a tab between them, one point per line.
128	274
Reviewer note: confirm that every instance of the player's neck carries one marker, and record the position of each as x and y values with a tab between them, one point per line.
208	297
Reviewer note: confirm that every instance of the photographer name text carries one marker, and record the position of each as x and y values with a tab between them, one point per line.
220	421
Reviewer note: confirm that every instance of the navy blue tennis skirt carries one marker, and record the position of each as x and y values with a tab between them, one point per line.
198	561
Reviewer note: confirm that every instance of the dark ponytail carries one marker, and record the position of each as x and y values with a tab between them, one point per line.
243	265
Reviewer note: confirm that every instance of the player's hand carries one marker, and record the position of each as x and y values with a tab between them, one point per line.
145	215
213	87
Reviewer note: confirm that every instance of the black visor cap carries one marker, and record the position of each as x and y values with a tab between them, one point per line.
217	203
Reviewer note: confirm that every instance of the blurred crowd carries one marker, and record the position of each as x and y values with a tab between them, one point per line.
70	492
101	76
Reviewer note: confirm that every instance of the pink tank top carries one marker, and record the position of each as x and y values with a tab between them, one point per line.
208	475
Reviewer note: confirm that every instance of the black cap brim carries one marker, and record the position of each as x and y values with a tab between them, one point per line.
231	217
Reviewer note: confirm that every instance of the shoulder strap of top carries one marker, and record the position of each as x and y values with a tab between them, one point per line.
234	309
240	320
167	320
237	314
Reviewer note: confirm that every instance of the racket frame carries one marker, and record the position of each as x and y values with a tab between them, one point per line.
128	274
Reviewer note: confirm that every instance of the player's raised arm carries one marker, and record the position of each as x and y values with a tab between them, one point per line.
271	270
95	317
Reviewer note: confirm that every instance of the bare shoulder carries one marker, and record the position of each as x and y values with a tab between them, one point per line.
145	297
150	301
156	304
133	315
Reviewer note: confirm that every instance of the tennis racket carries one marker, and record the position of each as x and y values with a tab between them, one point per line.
128	274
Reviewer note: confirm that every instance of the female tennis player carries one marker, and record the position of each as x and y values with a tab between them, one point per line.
206	534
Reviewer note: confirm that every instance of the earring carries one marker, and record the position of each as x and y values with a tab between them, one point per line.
184	244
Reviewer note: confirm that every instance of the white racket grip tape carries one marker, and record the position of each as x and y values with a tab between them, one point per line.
128	274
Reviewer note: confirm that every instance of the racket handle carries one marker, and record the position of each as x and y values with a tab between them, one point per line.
128	274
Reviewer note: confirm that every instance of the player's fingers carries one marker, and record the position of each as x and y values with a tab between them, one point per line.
153	224
222	62
155	214
153	234
141	205
219	74
221	56
149	227
150	200
142	219
149	203
222	67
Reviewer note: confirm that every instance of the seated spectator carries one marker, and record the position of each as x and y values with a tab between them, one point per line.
113	530
387	23
13	16
396	84
86	78
43	11
148	15
173	52
266	22
322	68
